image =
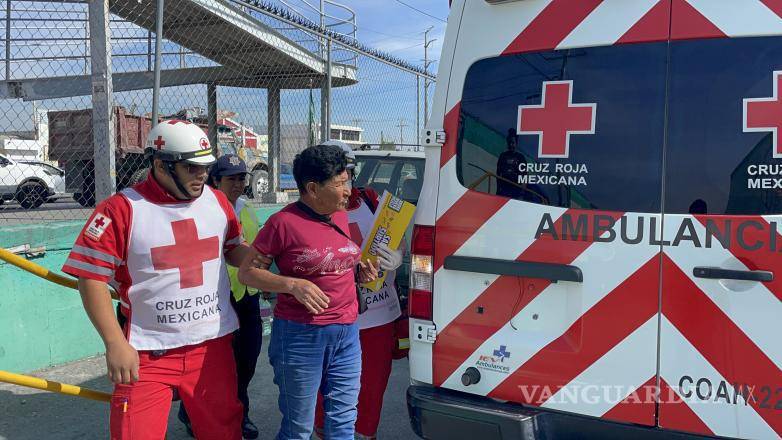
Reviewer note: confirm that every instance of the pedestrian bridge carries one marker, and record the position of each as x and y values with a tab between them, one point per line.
238	50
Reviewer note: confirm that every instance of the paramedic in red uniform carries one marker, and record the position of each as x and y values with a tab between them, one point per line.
314	343
377	329
163	245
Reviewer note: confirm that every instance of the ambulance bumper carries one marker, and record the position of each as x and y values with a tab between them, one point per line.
437	413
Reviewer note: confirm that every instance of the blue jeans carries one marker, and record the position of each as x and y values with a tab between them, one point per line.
309	358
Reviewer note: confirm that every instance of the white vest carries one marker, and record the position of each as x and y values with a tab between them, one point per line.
383	305
180	293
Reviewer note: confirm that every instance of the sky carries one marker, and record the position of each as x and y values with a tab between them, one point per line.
398	30
393	27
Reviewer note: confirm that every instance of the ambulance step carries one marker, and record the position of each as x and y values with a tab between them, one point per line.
438	413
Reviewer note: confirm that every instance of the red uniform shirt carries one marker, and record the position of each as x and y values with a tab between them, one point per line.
305	248
100	250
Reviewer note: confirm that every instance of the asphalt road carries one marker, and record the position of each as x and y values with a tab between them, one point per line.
31	414
63	209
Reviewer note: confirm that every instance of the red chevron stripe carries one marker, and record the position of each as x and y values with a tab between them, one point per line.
459	339
639	407
600	329
653	26
552	25
774	5
451	127
461	221
761	259
688	23
676	414
718	339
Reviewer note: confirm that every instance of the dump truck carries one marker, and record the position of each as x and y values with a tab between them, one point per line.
71	144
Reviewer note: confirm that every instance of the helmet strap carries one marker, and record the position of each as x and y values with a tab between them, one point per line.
172	172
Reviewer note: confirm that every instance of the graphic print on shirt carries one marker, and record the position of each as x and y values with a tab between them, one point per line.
327	261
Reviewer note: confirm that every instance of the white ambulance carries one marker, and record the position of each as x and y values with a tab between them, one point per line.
598	244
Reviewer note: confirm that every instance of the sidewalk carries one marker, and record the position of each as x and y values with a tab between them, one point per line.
33	414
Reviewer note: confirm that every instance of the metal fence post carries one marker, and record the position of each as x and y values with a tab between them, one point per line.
103	116
417	109
211	112
325	98
8	40
273	122
158	61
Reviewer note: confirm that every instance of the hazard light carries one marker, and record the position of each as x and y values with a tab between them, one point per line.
421	276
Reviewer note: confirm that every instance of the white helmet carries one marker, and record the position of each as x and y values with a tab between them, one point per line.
348	151
175	140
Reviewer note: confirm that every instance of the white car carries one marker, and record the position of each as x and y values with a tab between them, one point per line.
399	172
30	183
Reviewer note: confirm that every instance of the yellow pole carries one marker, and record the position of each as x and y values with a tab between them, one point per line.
55	387
41	271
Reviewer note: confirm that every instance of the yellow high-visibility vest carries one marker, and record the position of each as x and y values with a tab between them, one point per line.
250	227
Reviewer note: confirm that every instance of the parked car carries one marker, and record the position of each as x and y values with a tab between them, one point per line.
30	183
287	182
401	173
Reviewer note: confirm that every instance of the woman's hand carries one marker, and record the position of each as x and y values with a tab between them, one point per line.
367	271
310	295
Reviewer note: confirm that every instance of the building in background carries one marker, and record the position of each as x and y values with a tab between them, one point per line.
296	137
28	144
350	135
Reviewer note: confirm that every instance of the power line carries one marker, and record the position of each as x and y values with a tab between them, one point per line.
405	48
401	36
420	11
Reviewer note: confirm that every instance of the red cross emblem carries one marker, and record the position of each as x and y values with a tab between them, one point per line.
159	142
204	144
100	222
556	118
178	121
765	114
188	253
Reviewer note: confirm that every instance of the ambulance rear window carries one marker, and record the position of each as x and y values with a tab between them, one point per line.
576	128
723	155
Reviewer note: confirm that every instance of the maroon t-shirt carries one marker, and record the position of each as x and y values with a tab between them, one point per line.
303	247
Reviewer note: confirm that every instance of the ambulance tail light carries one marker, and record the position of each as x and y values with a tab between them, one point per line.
421	273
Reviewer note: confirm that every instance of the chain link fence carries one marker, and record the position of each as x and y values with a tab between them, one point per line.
261	80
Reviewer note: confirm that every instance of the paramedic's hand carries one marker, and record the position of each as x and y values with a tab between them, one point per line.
367	271
389	259
310	295
122	362
262	261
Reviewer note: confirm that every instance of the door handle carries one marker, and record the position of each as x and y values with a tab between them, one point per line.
718	273
525	269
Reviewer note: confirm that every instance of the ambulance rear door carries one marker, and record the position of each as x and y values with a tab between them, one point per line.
721	353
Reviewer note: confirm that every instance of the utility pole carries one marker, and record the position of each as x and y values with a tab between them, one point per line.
401	126
427	61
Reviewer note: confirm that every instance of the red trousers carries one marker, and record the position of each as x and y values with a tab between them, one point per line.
205	377
377	346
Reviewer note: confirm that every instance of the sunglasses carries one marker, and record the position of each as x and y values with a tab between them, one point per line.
196	169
